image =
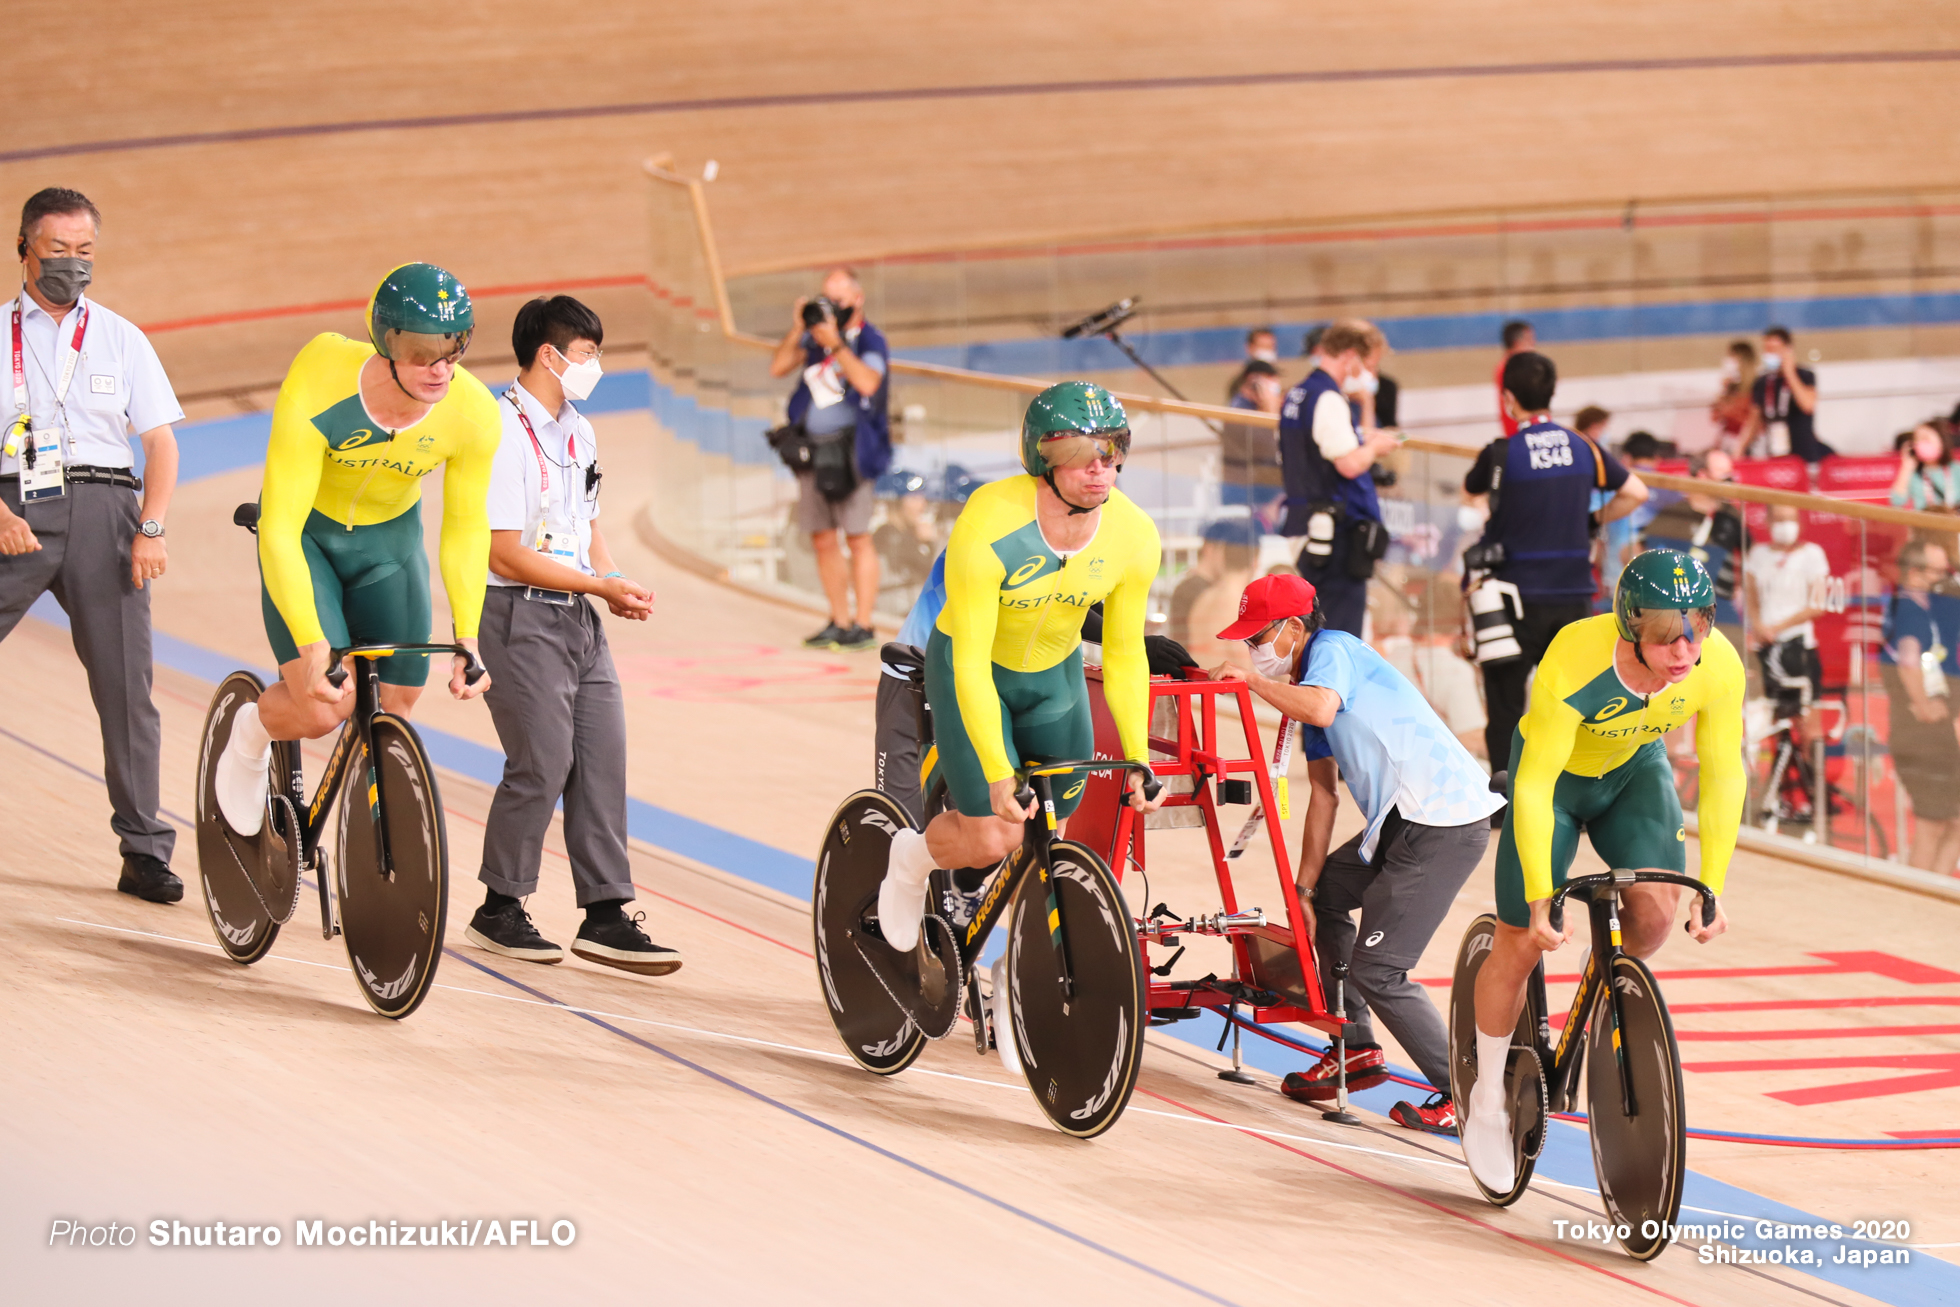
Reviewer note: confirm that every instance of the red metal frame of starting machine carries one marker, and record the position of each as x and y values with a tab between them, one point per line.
1275	977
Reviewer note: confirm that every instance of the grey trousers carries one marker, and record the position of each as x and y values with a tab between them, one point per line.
84	560
1401	906
900	730
554	697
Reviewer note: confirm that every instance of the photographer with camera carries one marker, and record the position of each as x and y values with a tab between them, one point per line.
838	442
1331	508
1531	573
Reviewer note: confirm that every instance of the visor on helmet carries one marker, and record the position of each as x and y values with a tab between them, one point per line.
1666	625
419	349
1074	449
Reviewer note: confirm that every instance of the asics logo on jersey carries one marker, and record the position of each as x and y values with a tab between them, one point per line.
1074	790
1614	707
356	439
1026	572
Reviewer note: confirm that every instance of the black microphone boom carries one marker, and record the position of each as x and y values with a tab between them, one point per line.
1104	321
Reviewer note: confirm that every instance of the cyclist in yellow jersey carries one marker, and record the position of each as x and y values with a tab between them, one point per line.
355	429
1027	559
1588	756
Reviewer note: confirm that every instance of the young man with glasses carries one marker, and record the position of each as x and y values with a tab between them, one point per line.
1427	806
356	427
1589	757
558	708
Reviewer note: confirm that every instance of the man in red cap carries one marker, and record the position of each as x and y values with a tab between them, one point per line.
1427	807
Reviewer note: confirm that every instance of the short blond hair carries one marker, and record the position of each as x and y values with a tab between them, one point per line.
1350	334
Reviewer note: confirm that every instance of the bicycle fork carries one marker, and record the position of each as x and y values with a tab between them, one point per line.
1606	911
1044	840
367	703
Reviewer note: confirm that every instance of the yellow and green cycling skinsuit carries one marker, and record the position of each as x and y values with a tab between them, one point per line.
340	520
1004	665
1588	756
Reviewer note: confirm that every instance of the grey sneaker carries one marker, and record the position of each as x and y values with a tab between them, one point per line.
830	637
856	638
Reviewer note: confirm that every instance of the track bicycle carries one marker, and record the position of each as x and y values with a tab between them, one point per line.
1789	789
388	896
1635	1112
1075	973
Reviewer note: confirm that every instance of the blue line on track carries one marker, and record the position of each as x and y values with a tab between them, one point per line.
844	1134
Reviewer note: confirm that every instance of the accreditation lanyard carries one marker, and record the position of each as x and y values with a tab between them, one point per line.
559	544
21	423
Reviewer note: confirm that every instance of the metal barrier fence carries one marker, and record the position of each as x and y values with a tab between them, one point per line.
1859	779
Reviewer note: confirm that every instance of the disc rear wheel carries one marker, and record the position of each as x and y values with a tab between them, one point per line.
1526	1096
393	924
877	1034
244	917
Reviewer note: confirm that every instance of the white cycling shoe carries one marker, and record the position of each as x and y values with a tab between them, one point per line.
1000	1012
1487	1148
243	781
902	894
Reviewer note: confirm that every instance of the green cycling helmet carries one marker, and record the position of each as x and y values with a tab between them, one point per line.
1662	581
1071	408
420	314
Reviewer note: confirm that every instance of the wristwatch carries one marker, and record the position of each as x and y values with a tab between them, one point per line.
151	528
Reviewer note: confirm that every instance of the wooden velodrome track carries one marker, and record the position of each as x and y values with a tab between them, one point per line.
701	1131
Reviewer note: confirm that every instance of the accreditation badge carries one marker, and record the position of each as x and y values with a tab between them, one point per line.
43	479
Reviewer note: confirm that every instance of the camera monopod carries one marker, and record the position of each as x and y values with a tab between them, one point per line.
1104	323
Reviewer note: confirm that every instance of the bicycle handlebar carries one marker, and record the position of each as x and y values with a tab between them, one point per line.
337	675
1625	878
1152	787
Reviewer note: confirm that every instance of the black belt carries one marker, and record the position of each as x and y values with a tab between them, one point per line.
103	476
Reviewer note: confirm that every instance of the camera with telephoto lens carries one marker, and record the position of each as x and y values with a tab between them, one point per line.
1485	556
1495	608
824	309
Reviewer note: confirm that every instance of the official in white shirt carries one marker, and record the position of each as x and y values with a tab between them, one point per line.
554	694
80	380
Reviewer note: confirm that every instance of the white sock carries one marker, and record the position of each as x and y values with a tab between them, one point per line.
1493	1051
248	734
910	863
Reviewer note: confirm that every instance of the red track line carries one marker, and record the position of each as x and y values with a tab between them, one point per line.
1418	1198
1818	1032
477	821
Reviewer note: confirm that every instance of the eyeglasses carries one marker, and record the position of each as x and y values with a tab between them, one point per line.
582	355
1666	625
592	478
1258	637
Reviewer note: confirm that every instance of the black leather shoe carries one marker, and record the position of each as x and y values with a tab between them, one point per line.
149	879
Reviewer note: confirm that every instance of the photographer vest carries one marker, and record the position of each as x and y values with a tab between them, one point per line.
1310	478
1541	510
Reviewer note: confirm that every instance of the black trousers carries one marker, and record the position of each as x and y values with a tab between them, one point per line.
1504	683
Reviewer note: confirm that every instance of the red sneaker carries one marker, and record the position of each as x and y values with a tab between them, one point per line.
1366	1068
1437	1116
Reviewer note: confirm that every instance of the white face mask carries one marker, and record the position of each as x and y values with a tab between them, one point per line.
1363	383
1731	370
1771	362
578	379
1266	660
1468	518
1783	533
1266	355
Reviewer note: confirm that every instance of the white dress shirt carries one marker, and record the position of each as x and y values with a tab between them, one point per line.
118	387
532	480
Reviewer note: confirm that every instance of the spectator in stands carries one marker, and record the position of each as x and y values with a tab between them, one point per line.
1371	390
1788	581
1518	337
1310	344
1710	528
1918	661
1249	455
1928	478
1733	405
1783	405
1331	507
1261	345
1205	599
1535	557
842	402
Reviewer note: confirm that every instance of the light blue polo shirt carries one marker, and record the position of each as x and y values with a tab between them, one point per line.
1393	750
